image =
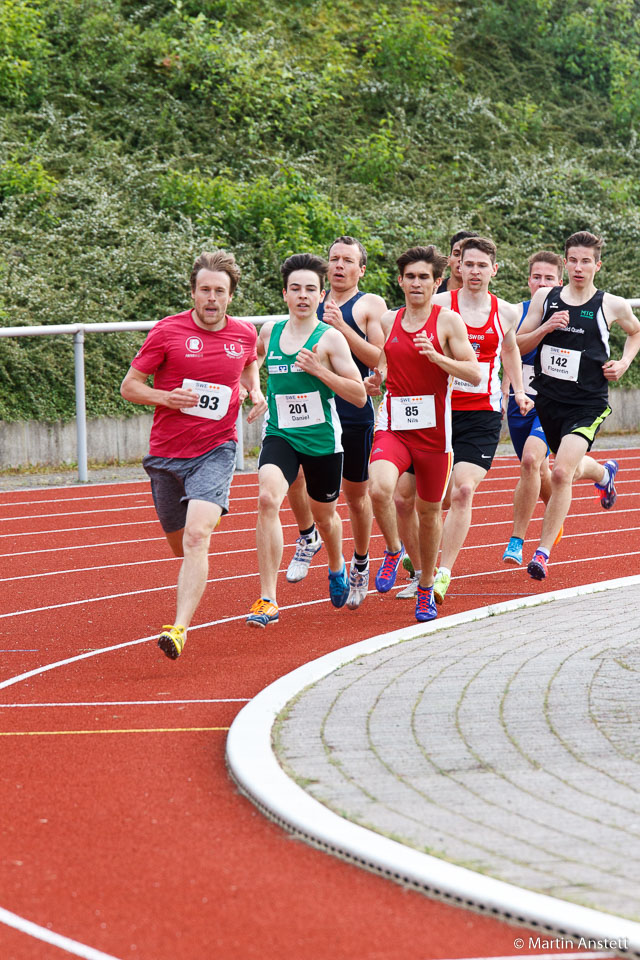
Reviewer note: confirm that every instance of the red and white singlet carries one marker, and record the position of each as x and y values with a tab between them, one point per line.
487	343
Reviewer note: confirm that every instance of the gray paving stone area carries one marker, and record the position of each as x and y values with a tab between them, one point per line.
510	746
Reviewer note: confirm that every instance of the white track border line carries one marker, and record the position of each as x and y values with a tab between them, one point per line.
255	768
55	939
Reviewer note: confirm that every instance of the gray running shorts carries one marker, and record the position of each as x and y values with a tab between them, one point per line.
175	481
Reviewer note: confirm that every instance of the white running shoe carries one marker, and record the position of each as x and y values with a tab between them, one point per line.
305	552
358	586
410	592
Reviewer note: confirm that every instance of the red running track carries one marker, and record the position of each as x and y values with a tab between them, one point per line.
121	828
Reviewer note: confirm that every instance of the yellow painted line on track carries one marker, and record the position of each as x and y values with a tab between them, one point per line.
67	733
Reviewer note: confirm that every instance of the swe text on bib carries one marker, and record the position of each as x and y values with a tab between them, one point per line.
299	409
413	413
559	363
213	399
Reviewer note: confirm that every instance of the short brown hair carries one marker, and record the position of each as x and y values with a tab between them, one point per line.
429	254
351	242
304	261
479	243
545	256
220	261
584	239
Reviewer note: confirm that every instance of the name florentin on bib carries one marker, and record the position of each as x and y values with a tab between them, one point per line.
300	408
568	362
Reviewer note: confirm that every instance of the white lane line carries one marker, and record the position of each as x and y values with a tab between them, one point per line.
119	703
111	496
87	654
251	575
82	513
55	939
230	553
251	513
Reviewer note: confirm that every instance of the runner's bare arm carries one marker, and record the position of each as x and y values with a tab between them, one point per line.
372	308
512	365
331	361
622	314
459	358
250	386
263	341
135	388
532	329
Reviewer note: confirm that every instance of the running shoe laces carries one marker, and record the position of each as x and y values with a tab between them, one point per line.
607	490
339	586
305	552
386	575
425	605
262	612
358	586
538	566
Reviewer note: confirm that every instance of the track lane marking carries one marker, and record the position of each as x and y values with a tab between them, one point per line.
77	733
121	703
55	939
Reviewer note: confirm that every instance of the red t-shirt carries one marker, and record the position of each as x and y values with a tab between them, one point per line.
177	348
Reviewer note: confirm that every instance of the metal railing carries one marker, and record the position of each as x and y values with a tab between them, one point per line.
78	330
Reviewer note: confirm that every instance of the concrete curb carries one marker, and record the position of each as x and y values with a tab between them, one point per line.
257	772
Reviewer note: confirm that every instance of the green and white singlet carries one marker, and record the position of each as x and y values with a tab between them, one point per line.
300	408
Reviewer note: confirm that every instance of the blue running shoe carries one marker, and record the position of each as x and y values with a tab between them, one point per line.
513	553
426	605
386	575
538	566
339	586
607	491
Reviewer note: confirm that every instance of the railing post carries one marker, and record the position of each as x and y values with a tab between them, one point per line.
81	406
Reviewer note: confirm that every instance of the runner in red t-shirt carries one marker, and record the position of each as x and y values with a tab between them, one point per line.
425	347
199	359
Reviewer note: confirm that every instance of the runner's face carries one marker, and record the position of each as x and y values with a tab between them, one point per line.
211	297
418	283
476	269
582	265
454	261
344	266
543	275
303	294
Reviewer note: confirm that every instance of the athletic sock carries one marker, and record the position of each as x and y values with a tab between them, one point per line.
544	551
360	561
605	479
309	534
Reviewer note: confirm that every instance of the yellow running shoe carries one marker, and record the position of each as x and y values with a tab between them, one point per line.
262	612
441	585
172	640
559	537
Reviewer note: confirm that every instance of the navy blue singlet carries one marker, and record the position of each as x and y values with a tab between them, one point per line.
348	413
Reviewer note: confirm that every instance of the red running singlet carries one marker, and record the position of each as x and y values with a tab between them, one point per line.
487	343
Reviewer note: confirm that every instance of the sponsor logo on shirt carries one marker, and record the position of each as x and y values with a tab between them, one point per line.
278	368
194	345
234	350
274	356
395	340
587	313
554	306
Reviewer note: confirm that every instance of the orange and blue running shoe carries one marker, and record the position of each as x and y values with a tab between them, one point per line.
262	612
607	490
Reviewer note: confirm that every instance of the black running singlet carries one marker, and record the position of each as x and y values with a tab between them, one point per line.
347	412
568	362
